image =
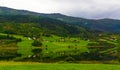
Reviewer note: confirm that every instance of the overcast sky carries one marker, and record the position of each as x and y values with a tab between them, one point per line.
78	8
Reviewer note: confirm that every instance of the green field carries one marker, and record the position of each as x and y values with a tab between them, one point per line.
54	45
55	66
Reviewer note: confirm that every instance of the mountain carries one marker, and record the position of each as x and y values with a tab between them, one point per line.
105	25
10	11
30	23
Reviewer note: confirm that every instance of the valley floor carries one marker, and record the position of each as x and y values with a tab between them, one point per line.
55	66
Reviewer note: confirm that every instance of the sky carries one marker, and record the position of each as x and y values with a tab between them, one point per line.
91	9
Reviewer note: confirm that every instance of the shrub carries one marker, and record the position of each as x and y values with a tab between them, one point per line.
36	43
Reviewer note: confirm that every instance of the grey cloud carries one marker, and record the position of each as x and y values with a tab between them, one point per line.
78	8
94	8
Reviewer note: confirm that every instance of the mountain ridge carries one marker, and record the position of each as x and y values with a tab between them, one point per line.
105	25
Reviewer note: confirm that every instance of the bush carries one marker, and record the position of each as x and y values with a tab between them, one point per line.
37	51
69	59
37	43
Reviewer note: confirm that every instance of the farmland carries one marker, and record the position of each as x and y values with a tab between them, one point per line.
55	48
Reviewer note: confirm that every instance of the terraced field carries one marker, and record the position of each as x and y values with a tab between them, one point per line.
25	46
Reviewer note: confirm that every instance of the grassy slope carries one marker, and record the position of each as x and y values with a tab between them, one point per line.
42	66
55	46
25	47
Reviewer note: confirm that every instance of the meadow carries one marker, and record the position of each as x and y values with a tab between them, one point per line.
55	66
